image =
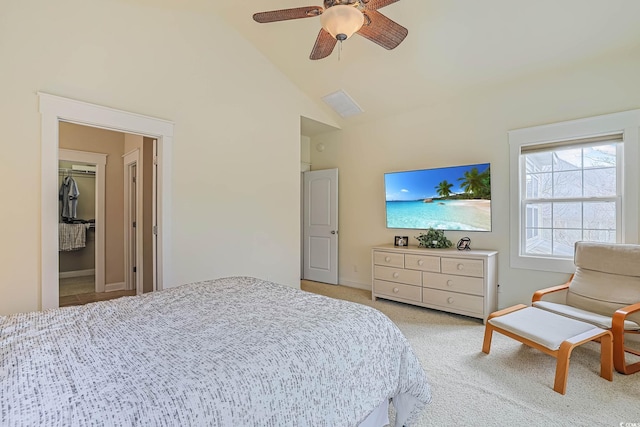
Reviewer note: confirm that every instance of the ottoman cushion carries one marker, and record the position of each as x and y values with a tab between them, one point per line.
542	327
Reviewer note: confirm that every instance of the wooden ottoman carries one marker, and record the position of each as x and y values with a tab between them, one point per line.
552	334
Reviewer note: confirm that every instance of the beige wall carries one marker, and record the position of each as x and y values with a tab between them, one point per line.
233	152
467	130
94	140
305	149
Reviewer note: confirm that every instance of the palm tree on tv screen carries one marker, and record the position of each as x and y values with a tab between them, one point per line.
477	184
444	188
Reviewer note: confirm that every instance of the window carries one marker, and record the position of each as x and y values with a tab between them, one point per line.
567	185
570	194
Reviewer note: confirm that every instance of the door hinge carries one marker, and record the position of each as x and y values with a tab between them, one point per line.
134	224
155	160
155	230
135	269
133	179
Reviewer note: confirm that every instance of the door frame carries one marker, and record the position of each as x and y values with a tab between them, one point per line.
130	159
100	160
54	109
154	214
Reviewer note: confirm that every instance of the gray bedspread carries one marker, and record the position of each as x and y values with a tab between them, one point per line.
229	352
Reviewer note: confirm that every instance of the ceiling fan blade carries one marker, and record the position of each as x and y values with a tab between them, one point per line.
286	14
382	30
324	45
377	4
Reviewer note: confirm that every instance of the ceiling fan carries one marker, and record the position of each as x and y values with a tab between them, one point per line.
342	18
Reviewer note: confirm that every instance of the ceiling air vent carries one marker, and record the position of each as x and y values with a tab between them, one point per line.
342	104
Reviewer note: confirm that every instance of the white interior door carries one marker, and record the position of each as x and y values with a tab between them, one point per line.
320	236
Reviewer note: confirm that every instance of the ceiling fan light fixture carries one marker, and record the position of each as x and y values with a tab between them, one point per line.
341	21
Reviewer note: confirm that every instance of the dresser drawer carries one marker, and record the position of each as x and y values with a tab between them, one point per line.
463	267
398	275
449	282
453	301
389	259
397	290
422	262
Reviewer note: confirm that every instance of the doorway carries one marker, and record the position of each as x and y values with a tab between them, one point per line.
81	257
55	110
125	190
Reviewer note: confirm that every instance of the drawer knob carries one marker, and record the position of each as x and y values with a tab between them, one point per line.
387	259
449	282
420	262
396	275
460	267
396	290
450	300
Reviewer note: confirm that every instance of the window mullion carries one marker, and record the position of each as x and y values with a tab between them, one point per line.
572	200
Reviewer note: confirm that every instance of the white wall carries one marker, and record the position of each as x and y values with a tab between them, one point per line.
305	149
236	158
472	129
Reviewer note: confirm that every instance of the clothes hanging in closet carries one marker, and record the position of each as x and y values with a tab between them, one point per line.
68	195
72	236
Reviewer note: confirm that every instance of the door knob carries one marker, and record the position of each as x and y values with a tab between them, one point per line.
334	232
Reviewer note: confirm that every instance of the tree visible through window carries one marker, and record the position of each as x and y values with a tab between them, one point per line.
570	193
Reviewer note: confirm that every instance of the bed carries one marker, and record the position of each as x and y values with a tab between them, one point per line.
236	351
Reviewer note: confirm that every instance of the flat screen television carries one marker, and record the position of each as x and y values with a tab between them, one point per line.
449	198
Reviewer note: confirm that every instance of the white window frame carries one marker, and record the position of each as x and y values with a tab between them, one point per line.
627	123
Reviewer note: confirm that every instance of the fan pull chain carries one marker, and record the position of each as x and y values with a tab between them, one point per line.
339	50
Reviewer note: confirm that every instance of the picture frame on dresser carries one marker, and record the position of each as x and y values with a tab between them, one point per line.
401	241
460	282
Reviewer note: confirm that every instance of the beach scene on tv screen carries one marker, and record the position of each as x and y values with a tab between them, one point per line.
451	198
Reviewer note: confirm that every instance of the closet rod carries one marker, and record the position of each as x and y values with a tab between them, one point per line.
75	171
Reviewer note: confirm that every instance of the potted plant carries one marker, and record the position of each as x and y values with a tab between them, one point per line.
433	239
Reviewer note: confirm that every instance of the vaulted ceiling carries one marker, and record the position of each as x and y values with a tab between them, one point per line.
453	47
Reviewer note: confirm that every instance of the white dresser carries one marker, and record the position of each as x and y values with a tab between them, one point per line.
462	282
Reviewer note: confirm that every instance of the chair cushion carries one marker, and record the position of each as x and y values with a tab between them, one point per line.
608	258
607	278
542	327
598	320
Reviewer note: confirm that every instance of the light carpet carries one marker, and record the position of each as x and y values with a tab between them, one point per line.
513	385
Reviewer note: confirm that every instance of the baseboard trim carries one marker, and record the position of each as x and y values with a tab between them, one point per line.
76	273
112	287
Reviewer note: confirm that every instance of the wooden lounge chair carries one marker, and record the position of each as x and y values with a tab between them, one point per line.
603	291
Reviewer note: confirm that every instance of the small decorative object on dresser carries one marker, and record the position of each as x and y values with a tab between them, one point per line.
462	282
433	239
464	244
401	241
